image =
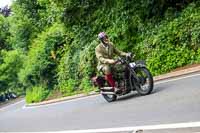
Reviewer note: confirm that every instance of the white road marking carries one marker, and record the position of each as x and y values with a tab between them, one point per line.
133	129
11	105
150	127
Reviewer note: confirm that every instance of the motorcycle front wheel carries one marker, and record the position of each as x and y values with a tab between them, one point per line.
144	84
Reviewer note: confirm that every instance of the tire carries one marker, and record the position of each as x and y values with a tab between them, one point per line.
109	98
145	77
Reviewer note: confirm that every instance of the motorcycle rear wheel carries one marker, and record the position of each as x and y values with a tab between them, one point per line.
109	98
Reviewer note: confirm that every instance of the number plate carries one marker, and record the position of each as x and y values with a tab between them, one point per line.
132	64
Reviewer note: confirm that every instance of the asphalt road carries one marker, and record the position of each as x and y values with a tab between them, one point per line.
176	101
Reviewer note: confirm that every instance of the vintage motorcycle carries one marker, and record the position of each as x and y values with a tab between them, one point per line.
139	79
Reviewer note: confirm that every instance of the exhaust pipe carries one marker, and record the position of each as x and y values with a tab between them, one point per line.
106	88
108	93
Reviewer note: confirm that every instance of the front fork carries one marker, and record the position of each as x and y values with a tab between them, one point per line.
133	79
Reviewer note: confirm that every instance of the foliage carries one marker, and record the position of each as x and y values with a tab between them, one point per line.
36	94
86	85
39	67
88	62
21	32
174	43
4	32
67	87
11	65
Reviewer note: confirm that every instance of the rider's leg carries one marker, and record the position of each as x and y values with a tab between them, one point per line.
109	78
108	75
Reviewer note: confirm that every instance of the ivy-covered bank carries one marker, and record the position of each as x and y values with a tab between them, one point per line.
47	46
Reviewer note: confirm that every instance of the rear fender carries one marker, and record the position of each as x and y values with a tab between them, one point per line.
98	81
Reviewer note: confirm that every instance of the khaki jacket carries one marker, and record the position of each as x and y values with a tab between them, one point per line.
105	54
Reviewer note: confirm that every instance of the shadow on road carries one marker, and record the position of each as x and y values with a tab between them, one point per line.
158	89
136	95
128	96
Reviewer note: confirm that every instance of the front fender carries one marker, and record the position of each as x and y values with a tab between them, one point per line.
140	65
137	64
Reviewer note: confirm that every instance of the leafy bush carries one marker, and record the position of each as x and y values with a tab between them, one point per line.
68	87
36	94
88	62
86	85
173	43
39	67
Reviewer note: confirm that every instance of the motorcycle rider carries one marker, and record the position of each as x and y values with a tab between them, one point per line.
105	52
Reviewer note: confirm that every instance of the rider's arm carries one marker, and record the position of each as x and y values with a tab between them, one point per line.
101	58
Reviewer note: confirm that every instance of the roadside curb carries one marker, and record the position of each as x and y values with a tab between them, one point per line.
177	73
62	99
156	78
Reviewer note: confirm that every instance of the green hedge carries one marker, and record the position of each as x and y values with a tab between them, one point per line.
36	94
173	43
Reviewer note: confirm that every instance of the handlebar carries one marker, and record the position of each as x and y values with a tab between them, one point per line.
123	60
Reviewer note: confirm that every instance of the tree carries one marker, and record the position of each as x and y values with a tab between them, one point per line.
5	11
4	32
9	68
